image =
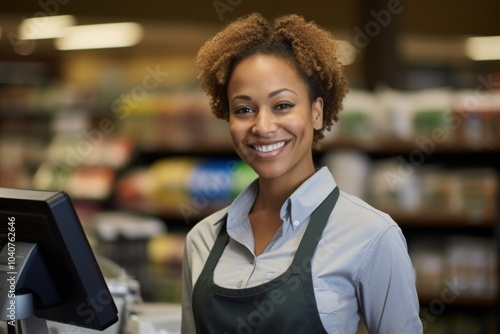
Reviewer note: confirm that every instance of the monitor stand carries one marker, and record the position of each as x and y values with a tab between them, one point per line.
33	325
17	309
26	325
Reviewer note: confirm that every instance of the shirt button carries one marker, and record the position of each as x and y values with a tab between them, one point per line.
239	284
296	223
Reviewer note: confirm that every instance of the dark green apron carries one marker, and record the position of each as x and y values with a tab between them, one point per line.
285	304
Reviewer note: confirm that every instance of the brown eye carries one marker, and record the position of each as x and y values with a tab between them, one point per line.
283	105
243	110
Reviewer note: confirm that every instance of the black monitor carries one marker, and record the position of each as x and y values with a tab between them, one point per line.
61	275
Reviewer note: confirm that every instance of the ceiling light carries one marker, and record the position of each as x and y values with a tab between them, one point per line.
100	36
44	27
483	48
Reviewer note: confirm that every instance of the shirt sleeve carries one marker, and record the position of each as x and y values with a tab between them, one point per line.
187	323
387	292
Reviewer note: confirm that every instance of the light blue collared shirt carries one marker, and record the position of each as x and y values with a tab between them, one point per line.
361	267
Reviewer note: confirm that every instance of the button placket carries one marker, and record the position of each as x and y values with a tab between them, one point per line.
247	273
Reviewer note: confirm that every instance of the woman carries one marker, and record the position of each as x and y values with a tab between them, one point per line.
292	253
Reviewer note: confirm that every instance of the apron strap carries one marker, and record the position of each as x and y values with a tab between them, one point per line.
217	249
312	235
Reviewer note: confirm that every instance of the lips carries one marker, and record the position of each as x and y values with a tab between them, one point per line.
270	147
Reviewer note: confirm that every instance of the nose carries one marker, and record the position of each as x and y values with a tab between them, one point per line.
264	123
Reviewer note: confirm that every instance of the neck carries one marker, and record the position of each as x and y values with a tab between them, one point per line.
273	192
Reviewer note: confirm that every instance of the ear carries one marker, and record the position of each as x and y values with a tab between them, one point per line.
317	113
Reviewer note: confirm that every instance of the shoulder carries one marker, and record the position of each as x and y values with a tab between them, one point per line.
362	212
202	236
372	236
360	223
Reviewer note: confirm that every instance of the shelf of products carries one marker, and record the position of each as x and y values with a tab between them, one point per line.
427	158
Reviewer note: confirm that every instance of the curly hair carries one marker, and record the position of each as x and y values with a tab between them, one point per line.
312	49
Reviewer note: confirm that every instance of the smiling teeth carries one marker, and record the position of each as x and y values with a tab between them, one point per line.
269	148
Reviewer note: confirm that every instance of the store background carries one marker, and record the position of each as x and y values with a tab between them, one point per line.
127	133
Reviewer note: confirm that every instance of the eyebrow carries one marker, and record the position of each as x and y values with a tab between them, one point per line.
276	92
272	94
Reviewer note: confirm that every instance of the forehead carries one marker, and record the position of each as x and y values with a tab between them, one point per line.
264	71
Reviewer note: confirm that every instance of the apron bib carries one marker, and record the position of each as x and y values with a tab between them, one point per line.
285	304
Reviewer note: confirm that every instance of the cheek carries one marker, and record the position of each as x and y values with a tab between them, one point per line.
301	126
236	130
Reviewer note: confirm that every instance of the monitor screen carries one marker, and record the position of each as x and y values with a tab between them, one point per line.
64	279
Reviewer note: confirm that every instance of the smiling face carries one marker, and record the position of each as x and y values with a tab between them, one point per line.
272	118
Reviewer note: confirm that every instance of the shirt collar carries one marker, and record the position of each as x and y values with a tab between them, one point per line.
240	208
308	197
304	200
